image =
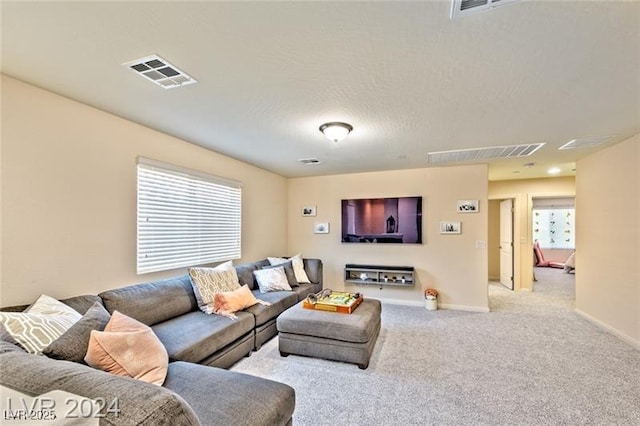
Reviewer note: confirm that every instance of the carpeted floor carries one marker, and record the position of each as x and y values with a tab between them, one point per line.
531	361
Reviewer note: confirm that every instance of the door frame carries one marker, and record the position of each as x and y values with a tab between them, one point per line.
529	237
509	219
517	238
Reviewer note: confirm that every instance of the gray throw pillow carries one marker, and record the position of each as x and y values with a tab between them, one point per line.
5	336
72	345
288	271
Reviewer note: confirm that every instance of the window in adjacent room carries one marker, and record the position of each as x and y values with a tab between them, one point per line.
185	217
554	223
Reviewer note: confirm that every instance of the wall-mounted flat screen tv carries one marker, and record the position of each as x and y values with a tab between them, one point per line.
382	220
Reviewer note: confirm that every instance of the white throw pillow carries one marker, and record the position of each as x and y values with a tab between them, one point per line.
298	266
40	324
273	279
207	282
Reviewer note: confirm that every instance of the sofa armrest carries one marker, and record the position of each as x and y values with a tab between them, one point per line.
136	402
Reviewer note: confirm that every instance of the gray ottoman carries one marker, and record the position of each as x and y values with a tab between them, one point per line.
330	335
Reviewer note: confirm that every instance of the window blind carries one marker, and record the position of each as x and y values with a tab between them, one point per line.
185	217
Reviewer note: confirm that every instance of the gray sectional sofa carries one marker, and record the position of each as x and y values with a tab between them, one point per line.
198	388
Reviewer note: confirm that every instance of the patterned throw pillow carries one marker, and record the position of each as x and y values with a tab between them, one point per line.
40	324
298	266
207	282
128	348
272	280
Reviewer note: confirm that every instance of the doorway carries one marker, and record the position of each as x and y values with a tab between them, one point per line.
501	242
552	233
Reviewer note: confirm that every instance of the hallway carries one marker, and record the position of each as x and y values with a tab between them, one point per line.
554	291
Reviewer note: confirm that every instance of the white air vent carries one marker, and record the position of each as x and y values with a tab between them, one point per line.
586	142
461	8
480	154
309	161
160	72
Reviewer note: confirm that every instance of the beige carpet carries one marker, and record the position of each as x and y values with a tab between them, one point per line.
531	361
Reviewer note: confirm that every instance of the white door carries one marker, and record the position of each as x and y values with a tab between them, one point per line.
506	243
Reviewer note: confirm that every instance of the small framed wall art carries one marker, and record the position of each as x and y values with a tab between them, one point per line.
448	227
308	211
321	228
467	206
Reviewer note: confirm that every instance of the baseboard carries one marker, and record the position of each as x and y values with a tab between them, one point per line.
416	303
633	342
463	308
440	305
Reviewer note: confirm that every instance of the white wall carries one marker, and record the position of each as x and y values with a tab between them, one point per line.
608	238
450	263
69	196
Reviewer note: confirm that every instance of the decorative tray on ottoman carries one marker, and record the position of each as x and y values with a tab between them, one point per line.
333	301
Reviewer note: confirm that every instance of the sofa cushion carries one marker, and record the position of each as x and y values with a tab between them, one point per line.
6	346
128	348
82	303
305	289
240	399
79	303
139	403
245	272
72	345
41	324
313	268
152	302
195	336
280	301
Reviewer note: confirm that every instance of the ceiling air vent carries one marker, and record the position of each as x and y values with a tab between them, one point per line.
481	154
461	8
586	142
160	72
309	161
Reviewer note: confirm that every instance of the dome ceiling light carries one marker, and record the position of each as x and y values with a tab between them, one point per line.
336	131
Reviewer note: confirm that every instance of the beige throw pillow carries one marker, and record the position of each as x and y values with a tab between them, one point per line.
40	324
298	266
128	348
207	282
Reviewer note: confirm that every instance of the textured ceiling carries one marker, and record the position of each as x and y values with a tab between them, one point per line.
409	79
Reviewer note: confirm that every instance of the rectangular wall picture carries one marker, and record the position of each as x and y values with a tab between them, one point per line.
308	211
321	228
447	227
467	206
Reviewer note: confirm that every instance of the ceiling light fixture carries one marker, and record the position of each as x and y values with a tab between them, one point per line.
336	131
554	171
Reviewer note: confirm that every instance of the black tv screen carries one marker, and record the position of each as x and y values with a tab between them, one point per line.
382	220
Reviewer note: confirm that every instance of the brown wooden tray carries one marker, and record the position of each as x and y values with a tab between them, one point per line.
327	306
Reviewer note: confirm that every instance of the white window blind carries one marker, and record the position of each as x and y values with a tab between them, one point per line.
185	217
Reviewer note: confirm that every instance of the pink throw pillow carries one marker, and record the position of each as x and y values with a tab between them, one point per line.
233	301
128	348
